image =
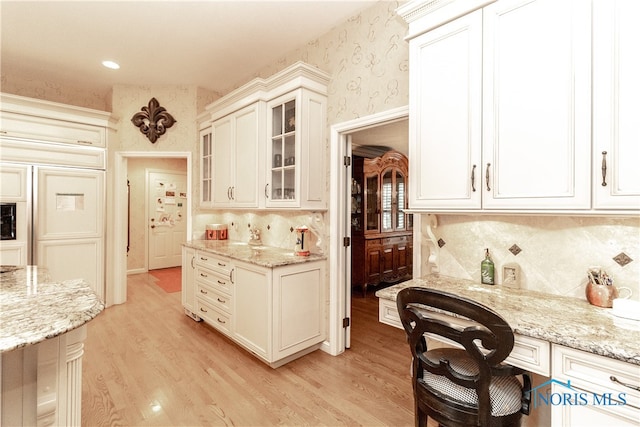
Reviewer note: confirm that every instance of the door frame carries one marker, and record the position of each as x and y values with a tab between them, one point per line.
340	182
116	277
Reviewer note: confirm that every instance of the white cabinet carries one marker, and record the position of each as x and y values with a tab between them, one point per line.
276	313
279	312
214	289
252	310
445	116
601	391
616	90
206	166
296	151
235	151
264	144
188	282
536	115
500	109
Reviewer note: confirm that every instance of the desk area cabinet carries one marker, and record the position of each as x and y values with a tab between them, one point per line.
381	230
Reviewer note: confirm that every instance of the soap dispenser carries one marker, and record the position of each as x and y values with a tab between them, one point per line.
487	269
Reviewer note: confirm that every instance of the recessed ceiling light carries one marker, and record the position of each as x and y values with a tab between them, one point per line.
111	64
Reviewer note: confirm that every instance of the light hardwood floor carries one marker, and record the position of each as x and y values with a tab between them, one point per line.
146	363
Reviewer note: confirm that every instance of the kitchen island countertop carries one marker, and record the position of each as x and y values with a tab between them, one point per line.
33	308
265	256
567	321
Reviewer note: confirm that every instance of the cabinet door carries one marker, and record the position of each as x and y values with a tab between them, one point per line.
373	264
298	308
283	151
252	308
206	167
371	204
404	261
71	259
188	281
222	158
244	190
536	104
616	137
445	110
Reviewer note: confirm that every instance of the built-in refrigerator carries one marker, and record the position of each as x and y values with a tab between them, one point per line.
58	221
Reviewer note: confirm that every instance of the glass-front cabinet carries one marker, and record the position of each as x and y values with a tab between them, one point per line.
206	164
283	151
386	196
296	172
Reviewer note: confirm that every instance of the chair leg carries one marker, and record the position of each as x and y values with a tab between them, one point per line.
421	418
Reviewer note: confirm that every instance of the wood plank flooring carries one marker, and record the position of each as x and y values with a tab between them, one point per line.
148	364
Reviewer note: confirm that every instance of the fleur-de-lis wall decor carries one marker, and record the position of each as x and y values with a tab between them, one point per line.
153	120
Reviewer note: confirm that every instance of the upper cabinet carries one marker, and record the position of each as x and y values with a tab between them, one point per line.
266	146
501	107
296	151
616	91
236	144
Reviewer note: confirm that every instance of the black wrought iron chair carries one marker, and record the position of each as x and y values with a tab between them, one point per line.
462	387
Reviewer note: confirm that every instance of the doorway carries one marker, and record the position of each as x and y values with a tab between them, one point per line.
117	269
342	136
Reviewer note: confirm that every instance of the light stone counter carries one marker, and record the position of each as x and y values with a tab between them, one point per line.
571	322
265	256
33	308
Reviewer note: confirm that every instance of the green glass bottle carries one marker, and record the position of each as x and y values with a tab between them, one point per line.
487	269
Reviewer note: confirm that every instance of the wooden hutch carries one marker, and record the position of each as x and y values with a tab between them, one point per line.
381	231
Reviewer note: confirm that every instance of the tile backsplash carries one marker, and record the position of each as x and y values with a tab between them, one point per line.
555	251
276	228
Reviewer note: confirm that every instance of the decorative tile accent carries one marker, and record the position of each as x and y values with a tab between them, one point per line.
515	249
441	242
622	259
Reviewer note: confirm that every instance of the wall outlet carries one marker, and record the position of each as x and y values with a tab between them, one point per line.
511	275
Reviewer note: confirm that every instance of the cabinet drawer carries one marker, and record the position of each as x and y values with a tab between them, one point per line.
528	353
213	316
398	240
215	263
213	279
372	243
214	297
597	374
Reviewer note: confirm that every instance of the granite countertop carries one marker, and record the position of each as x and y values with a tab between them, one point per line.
265	256
33	308
567	321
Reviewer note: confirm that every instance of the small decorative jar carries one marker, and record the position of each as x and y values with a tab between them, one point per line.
601	295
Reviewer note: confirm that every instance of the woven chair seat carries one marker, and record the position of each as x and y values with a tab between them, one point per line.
505	392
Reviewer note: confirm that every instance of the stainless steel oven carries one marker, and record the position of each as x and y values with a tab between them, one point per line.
8	221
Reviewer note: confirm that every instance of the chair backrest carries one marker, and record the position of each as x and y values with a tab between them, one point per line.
488	338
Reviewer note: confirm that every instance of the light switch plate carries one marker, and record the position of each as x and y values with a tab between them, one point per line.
511	275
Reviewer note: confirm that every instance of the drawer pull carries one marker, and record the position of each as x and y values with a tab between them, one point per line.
203	275
632	387
202	291
222	282
203	310
221	301
221	321
222	264
604	168
204	259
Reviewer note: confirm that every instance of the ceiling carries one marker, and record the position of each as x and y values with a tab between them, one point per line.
214	44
